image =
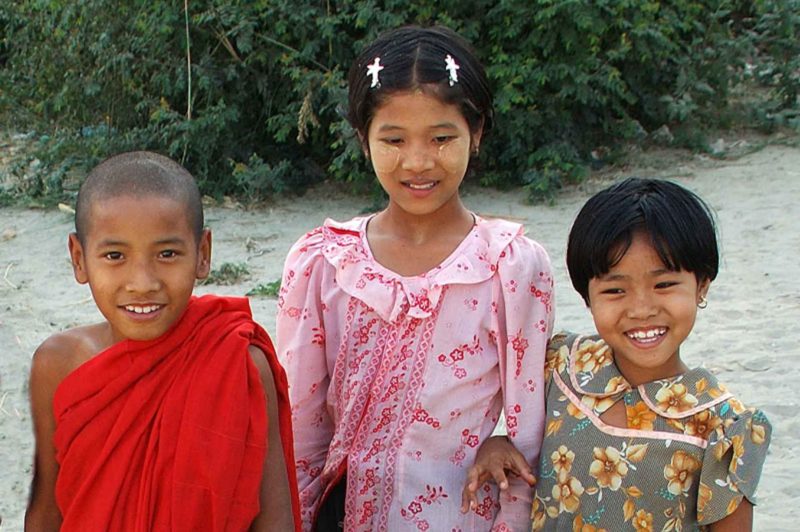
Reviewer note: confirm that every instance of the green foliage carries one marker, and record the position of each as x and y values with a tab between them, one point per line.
227	274
265	289
258	112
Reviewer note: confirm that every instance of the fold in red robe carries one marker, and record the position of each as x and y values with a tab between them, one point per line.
170	434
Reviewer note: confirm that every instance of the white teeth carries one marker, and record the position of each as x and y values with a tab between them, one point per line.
142	310
425	186
647	335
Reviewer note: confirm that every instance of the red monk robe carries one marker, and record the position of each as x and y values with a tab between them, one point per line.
170	434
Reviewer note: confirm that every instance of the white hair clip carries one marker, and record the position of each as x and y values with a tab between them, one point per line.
372	70
452	68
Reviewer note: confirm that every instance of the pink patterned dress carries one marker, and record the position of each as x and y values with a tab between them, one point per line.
397	380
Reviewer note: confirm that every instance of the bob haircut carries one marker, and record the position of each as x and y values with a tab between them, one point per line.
138	174
414	58
679	224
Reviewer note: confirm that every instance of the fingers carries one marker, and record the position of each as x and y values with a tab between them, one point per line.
498	474
469	498
520	467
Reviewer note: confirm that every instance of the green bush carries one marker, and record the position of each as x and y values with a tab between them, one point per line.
259	111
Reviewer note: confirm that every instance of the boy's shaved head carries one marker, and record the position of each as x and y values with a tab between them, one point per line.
139	173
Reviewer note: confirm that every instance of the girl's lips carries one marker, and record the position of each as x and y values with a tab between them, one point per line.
427	185
420	189
647	337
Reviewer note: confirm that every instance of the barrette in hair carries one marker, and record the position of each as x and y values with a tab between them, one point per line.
452	69
372	70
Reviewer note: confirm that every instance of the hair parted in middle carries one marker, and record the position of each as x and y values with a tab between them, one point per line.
678	223
412	57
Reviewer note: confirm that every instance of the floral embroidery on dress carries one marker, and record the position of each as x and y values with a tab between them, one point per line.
688	455
396	380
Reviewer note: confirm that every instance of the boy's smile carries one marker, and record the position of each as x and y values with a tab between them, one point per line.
644	311
140	258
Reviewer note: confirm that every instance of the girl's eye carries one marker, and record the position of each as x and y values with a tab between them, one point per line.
393	141
612	291
113	255
441	139
665	284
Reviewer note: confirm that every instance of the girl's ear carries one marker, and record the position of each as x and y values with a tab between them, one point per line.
702	289
475	139
364	144
204	255
78	259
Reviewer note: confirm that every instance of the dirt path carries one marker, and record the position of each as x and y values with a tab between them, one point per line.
748	335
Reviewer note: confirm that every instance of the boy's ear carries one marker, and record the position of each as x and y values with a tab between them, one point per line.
78	258
204	255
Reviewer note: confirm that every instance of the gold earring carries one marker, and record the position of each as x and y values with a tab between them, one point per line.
703	302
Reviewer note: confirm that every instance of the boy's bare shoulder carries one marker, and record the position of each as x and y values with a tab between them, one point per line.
64	351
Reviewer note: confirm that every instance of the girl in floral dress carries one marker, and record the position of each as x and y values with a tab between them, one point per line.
405	334
634	440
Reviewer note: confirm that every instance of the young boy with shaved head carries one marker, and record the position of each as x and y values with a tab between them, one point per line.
172	413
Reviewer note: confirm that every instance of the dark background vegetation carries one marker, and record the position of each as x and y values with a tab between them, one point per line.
259	112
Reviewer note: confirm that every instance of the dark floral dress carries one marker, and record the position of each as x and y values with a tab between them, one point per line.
688	455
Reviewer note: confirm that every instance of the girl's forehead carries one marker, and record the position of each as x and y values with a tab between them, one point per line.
417	107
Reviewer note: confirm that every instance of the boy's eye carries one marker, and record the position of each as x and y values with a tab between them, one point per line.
168	254
113	255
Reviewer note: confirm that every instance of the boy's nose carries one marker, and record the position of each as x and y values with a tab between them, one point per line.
142	279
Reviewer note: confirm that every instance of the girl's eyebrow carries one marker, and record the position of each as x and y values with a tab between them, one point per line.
621	277
441	125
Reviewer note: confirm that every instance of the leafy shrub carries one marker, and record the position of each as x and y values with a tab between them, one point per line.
227	274
259	110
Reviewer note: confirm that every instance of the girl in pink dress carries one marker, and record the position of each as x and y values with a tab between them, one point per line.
405	334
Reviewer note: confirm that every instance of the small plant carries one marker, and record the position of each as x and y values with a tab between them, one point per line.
227	274
265	289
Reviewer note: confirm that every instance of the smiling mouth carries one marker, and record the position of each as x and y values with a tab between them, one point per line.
420	186
647	335
143	309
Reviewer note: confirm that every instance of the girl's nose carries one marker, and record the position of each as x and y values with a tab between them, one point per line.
641	307
418	159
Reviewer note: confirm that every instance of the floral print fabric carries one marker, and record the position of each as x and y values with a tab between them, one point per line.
397	380
688	455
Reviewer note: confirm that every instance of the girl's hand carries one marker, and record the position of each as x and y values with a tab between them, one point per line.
495	457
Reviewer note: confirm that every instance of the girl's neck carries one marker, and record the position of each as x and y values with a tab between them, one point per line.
449	222
636	375
412	245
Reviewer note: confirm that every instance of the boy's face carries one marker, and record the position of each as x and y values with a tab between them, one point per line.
644	312
140	258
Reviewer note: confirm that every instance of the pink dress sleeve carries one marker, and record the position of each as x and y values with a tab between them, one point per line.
301	349
524	324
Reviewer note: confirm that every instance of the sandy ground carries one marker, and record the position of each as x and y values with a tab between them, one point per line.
749	334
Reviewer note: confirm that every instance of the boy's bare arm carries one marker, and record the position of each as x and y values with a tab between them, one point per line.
276	502
47	371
